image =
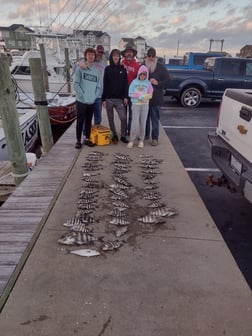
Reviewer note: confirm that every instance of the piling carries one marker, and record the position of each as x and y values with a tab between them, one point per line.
11	126
41	104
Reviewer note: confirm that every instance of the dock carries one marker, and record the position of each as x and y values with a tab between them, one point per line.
7	183
176	278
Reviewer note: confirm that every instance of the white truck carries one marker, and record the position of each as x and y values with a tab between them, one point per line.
231	144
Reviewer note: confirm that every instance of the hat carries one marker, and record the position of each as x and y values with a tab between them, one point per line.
151	52
100	48
129	47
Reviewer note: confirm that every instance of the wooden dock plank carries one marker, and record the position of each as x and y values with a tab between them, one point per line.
23	214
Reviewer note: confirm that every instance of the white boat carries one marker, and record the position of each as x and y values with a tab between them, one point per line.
20	71
28	122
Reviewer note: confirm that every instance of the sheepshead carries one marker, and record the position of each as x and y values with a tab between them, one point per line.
84	238
84	218
122	165
151	186
111	245
121	180
120	204
121	156
88	191
119	221
93	184
89	179
120	171
121	231
72	221
146	177
83	212
150	219
93	167
118	186
151	171
163	212
86	206
81	227
68	238
156	204
116	213
85	253
152	195
84	200
115	197
119	192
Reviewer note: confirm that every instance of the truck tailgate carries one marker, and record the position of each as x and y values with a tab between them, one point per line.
235	121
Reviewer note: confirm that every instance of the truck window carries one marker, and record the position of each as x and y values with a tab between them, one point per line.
249	69
199	59
230	68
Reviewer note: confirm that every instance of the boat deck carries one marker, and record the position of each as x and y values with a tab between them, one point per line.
7	183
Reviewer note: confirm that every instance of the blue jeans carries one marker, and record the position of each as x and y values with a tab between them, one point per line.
153	118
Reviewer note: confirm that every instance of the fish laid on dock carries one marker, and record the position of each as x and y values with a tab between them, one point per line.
85	253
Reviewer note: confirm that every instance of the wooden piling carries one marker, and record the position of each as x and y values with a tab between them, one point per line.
68	67
41	104
11	126
44	66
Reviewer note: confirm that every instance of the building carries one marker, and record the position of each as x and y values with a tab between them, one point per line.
246	51
16	37
140	44
90	39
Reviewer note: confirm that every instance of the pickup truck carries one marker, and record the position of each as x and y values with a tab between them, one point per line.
218	74
193	60
231	143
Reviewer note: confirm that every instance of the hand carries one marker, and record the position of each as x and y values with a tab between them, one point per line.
154	81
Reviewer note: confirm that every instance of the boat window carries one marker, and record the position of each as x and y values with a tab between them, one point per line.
249	69
21	70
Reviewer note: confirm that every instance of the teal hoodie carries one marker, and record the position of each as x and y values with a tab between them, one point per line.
86	84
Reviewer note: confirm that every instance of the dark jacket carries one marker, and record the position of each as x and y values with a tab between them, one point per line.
115	82
162	76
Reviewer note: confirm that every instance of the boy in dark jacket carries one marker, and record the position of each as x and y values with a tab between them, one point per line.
115	94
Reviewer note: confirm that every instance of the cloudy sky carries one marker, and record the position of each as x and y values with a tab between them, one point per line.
173	27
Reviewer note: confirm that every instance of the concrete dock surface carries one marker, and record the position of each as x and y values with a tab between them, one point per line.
176	278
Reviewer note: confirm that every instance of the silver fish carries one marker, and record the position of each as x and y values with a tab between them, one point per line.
118	186
149	219
164	212
85	253
90	174
121	231
111	245
151	186
119	221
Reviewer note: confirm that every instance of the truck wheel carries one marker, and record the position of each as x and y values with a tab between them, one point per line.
190	97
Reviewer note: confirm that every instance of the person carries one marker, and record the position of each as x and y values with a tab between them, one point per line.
115	94
87	87
159	78
100	65
132	66
140	92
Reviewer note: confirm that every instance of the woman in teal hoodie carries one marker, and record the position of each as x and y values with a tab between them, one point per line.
140	91
87	85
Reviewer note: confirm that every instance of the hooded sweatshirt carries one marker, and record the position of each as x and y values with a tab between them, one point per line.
115	83
141	91
86	84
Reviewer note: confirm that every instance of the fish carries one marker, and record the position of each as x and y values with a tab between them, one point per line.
84	200
118	197
150	219
120	204
151	171
72	221
155	204
81	228
68	239
85	253
163	212
83	212
119	221
86	206
121	180
121	231
84	238
111	245
152	195
93	184
118	186
122	165
151	186
116	213
90	174
119	192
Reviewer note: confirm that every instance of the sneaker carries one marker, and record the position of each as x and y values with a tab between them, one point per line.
89	143
154	142
124	139
141	144
130	145
78	145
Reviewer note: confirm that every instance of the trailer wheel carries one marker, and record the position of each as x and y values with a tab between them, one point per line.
190	97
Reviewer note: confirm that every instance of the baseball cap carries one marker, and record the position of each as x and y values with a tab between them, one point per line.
100	48
151	52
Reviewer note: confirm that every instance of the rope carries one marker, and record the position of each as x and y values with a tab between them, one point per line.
62	122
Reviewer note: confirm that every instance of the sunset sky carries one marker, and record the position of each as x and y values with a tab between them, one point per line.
171	26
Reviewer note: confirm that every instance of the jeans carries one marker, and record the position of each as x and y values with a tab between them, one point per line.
84	117
153	118
128	109
118	105
98	111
